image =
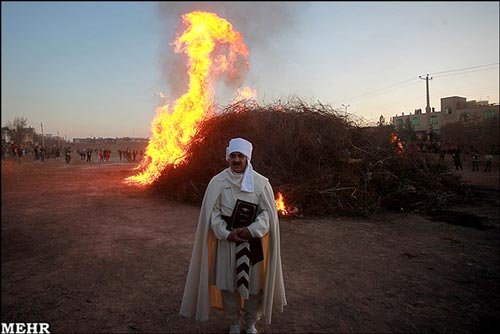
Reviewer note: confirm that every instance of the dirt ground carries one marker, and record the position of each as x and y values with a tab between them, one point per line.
88	254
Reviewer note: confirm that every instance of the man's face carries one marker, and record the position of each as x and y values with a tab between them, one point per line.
237	162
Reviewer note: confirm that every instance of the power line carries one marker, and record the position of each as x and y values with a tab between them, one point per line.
450	74
488	92
414	80
465	68
382	89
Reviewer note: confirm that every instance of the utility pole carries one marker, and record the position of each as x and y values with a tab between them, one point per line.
43	138
428	107
346	106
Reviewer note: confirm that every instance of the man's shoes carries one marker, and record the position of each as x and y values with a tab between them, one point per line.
251	329
235	329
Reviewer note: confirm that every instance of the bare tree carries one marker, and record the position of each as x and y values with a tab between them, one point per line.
17	132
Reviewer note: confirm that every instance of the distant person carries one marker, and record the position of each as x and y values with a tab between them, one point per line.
488	159
441	155
67	155
457	159
128	153
475	162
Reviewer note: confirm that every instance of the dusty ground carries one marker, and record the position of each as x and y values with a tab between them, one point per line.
87	253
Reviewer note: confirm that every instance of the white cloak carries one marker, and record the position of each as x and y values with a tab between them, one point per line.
200	291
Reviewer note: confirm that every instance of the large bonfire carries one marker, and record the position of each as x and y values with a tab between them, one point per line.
321	161
213	48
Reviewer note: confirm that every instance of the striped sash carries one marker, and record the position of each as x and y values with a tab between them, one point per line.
247	253
243	268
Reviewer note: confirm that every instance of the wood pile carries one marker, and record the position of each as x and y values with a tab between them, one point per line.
323	162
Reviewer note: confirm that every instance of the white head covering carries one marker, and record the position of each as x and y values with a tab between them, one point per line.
245	147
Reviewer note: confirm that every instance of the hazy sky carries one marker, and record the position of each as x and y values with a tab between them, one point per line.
95	69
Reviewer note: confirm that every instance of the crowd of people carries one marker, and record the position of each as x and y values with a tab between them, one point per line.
480	160
130	155
476	158
37	152
104	155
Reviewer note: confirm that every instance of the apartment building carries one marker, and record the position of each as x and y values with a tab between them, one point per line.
453	109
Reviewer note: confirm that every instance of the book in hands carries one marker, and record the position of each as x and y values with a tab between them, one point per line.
244	213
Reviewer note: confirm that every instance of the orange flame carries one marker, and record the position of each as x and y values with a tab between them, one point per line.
280	205
172	129
395	139
245	98
246	93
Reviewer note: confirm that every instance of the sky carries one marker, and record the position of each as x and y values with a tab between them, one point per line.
100	69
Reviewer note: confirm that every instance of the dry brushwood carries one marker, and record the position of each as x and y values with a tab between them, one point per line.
321	161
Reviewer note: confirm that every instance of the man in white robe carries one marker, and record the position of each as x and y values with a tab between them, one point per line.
211	279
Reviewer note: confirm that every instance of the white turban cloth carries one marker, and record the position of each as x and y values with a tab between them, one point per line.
244	147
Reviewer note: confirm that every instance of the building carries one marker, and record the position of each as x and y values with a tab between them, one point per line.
453	109
101	140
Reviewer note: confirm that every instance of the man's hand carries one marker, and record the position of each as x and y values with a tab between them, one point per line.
245	234
234	236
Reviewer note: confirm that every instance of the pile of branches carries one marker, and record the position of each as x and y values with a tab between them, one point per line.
323	162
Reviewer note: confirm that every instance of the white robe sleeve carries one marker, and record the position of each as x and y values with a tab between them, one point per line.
218	225
260	226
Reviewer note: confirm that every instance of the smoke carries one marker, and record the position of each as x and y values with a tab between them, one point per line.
259	22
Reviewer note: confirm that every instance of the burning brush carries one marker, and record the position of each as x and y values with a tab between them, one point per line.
283	210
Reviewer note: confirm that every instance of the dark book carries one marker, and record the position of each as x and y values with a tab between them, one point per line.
244	213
